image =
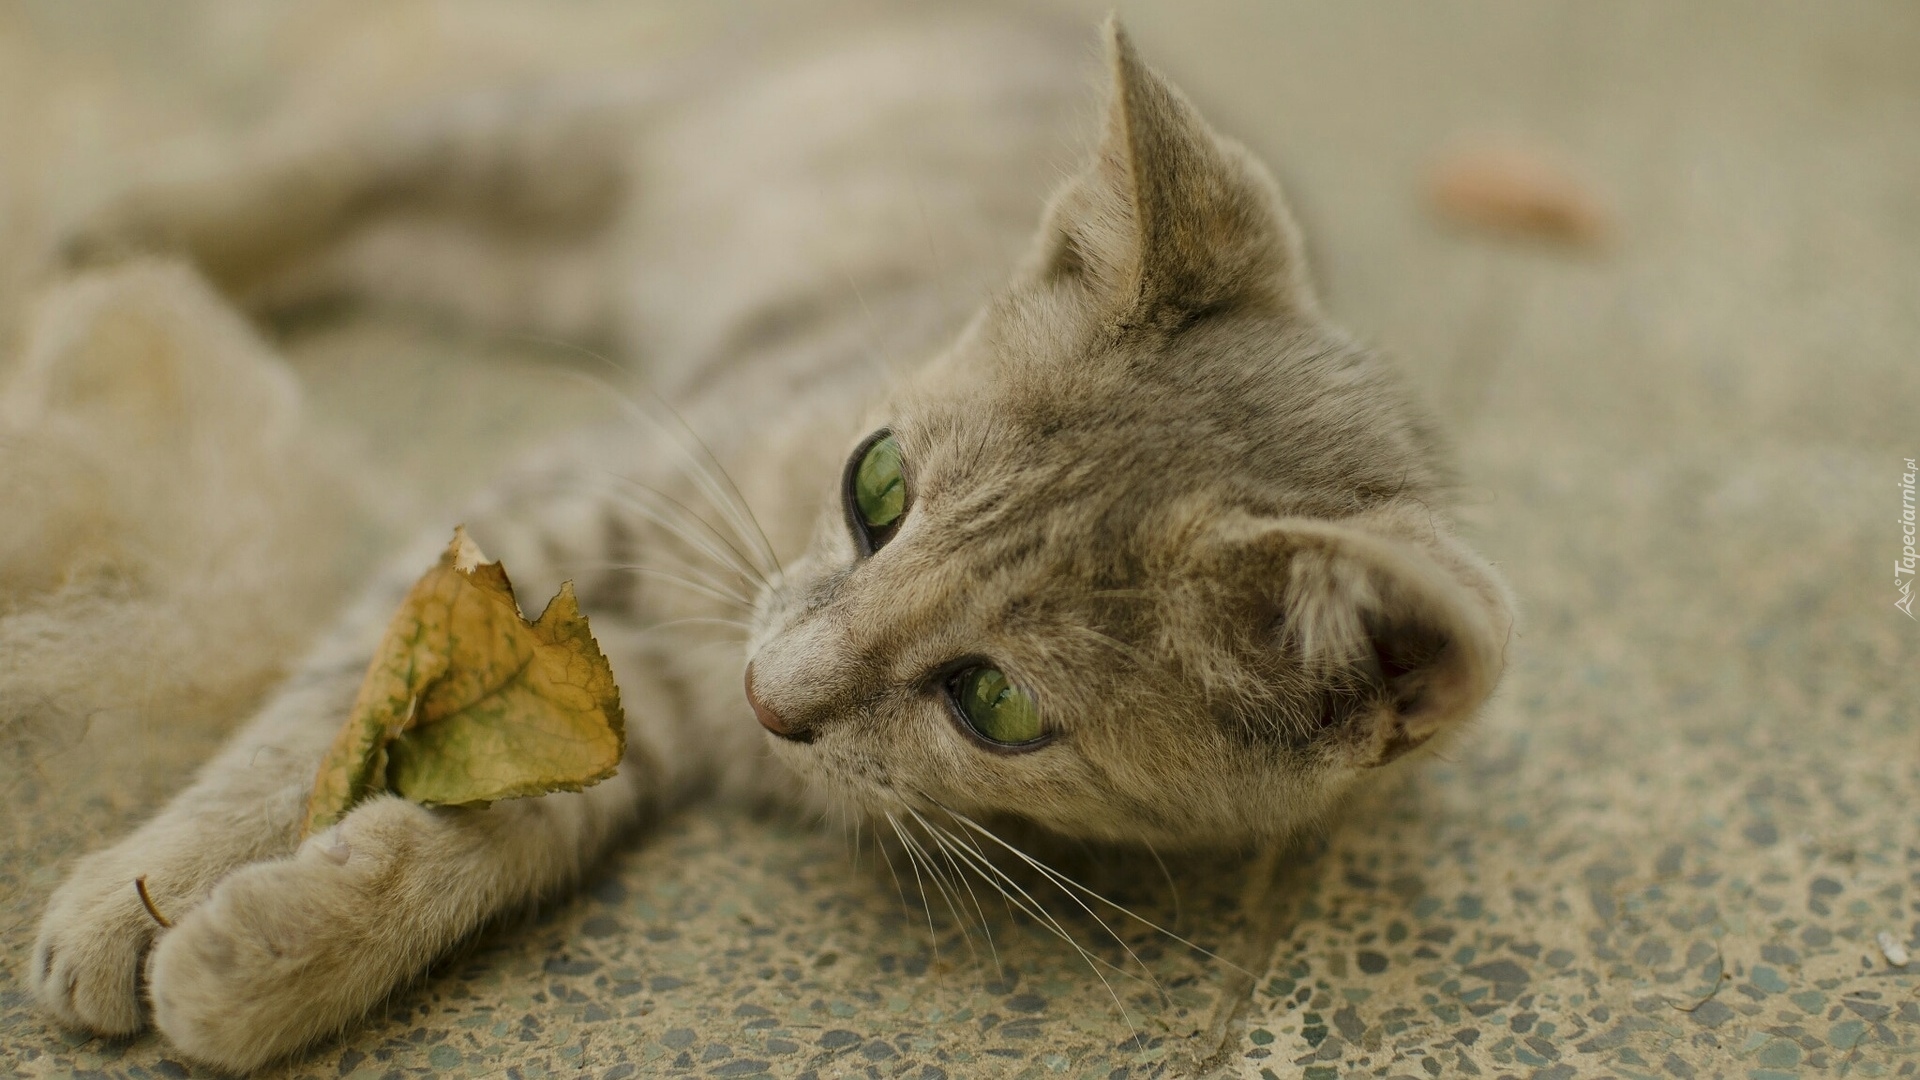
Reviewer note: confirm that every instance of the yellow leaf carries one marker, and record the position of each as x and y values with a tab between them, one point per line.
466	701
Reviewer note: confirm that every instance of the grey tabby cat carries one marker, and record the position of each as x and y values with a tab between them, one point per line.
1138	547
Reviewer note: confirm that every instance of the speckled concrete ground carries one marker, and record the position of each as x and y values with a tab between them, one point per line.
1666	851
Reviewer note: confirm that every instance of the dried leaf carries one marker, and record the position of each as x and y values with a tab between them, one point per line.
467	702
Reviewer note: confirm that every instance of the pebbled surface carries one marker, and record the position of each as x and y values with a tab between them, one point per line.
1669	846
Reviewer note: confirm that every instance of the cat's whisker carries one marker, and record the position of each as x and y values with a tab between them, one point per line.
1173	889
961	877
733	624
977	861
1026	901
1067	883
870	345
942	882
749	563
696	577
998	878
701	574
879	845
700	544
703	465
712	475
748	567
1061	880
920	885
731	597
939	275
702	531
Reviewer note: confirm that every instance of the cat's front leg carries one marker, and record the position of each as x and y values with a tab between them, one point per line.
246	805
286	952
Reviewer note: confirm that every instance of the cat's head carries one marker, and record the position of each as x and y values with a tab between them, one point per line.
1153	552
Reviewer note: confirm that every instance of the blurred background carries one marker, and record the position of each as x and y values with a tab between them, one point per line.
1656	265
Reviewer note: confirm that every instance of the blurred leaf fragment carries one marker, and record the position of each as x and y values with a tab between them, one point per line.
1506	186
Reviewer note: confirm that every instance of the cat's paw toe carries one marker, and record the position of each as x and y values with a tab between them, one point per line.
266	965
86	962
199	983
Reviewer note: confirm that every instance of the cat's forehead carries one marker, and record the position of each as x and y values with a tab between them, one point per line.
1032	507
1100	436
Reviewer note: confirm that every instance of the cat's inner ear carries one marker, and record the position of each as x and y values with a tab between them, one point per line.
1169	221
1398	645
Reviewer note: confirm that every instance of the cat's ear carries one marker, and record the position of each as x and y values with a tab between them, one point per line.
1394	639
1168	221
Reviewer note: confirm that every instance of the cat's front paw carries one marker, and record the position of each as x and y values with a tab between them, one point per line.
286	952
93	941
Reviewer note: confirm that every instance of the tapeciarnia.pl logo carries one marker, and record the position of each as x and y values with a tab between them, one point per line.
1903	567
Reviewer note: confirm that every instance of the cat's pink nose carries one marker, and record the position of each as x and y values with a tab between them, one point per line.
767	717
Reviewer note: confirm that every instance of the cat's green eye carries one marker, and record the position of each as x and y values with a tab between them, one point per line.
995	708
876	491
879	490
